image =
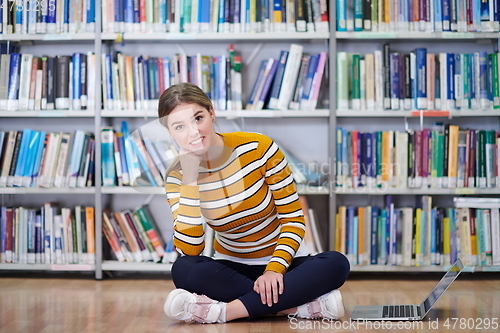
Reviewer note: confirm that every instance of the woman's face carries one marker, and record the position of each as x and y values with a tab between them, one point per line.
191	126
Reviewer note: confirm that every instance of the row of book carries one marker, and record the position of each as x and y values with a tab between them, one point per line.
28	82
418	15
418	80
418	236
136	83
133	158
444	156
133	236
223	16
47	16
291	82
30	158
47	235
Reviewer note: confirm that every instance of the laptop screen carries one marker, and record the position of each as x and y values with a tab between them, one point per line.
440	288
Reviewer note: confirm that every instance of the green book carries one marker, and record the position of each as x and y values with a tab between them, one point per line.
490	158
356	82
496	88
434	158
481	159
342	81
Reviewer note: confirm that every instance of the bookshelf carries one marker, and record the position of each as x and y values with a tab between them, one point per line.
254	46
370	119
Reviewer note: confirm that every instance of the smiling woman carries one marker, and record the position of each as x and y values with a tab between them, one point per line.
240	184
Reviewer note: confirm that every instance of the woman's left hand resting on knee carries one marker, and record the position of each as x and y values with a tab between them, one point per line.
269	285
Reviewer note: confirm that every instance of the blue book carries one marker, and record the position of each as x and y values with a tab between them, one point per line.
38	159
267	86
76	78
458	81
66	13
450	72
75	159
374	236
123	157
349	231
204	15
453	235
13	87
119	13
132	162
51	16
438	16
22	157
108	162
163	17
143	165
434	237
395	75
446	14
91	14
109	80
275	90
129	15
483	84
137	16
253	99
358	15
311	70
341	15
489	77
421	58
31	159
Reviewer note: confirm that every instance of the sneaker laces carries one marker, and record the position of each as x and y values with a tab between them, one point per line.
198	309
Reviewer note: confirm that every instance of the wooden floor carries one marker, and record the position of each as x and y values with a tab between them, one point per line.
123	304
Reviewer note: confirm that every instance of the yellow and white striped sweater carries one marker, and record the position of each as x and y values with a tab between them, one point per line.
247	196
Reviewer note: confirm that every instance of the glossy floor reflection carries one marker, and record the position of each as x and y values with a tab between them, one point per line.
51	305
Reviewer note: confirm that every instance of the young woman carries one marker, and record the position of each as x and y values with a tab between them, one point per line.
241	186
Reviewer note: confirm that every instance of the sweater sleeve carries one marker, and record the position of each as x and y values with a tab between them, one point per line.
279	178
184	201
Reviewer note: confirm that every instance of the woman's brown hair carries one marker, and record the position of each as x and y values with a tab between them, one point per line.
175	95
178	94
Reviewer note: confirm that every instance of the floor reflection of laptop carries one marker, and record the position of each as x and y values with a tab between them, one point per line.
411	311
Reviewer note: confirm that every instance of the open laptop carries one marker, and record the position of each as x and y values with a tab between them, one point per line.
413	311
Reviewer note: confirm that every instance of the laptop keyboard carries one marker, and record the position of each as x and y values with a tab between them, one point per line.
398	311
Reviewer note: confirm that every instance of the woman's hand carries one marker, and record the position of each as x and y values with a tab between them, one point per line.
269	285
190	163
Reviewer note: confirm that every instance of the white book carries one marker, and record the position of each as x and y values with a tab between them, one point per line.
49	163
48	233
290	76
38	89
495	236
60	177
24	86
362	77
379	80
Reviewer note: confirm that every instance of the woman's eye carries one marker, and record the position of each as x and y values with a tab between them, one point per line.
178	127
199	118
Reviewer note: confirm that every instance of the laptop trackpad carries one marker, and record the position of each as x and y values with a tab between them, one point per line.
368	311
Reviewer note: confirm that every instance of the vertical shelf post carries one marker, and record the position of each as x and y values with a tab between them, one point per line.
332	198
97	126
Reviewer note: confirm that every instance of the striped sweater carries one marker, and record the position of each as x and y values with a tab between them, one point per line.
247	196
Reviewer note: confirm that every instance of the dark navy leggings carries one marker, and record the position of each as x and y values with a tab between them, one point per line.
224	280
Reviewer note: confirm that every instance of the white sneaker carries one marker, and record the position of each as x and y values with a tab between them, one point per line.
183	305
329	306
